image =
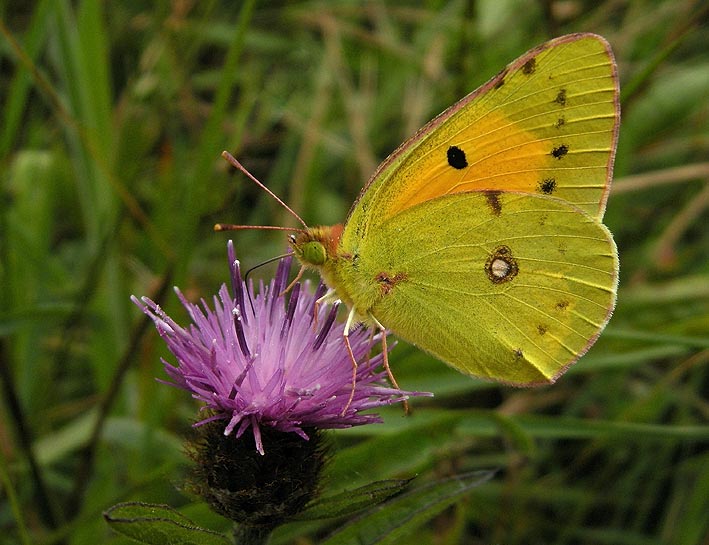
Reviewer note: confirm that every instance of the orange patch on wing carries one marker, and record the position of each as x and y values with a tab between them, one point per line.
500	155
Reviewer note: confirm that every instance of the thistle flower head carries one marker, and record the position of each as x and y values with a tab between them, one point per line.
267	360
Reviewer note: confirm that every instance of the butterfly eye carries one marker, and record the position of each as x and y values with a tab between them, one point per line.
291	239
314	253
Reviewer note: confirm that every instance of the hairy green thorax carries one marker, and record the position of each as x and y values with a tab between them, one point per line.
322	249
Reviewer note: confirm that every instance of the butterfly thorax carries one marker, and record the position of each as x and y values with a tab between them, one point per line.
349	278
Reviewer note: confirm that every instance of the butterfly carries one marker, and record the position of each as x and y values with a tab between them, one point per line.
480	239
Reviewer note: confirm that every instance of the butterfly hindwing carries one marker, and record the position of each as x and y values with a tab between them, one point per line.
516	291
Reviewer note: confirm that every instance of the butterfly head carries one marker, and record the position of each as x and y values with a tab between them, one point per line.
316	246
310	252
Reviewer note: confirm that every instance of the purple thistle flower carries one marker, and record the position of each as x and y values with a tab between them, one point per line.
255	361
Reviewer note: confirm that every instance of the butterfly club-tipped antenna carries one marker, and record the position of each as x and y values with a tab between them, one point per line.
232	227
228	227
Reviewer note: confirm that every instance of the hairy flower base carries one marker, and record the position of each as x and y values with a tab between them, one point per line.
251	489
258	361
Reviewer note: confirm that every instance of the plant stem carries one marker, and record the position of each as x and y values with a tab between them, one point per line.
251	535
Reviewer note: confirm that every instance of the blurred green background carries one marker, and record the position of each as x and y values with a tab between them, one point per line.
114	115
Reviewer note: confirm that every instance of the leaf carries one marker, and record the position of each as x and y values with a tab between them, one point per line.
159	525
351	501
393	521
408	452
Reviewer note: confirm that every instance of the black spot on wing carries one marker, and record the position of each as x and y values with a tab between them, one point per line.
547	186
500	79
456	158
529	67
561	97
559	151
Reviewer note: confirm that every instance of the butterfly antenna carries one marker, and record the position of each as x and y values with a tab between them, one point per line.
232	227
236	164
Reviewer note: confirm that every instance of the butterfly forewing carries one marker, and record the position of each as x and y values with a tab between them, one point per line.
545	125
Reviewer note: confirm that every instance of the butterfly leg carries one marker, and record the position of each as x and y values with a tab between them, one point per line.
293	283
329	297
385	360
346	337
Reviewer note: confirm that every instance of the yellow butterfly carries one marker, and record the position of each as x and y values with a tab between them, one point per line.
480	239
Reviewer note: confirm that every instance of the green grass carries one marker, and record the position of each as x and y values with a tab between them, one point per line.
114	115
